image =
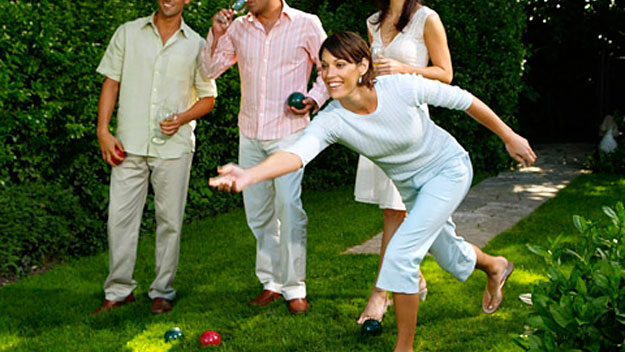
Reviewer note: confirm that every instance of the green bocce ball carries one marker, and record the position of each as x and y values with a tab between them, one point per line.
174	333
371	327
296	100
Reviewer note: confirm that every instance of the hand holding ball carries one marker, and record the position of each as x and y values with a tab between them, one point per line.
296	100
120	155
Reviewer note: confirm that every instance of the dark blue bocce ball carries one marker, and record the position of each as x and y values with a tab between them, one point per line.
174	334
296	100
371	327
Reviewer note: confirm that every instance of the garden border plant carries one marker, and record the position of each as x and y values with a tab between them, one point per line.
581	306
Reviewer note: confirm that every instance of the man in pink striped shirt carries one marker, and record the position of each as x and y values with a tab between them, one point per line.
275	47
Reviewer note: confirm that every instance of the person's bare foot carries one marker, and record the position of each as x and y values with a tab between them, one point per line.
423	287
497	277
376	306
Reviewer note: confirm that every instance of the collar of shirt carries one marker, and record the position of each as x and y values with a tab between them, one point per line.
287	11
186	30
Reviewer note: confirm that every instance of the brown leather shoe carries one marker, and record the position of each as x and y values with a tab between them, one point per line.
265	297
160	305
298	305
108	304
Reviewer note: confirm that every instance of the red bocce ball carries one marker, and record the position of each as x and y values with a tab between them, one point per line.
120	155
210	337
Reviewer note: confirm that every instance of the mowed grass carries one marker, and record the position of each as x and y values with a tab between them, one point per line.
216	280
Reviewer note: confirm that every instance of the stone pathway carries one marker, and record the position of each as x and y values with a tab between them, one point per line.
498	203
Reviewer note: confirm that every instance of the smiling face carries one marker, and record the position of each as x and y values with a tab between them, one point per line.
346	65
341	76
171	8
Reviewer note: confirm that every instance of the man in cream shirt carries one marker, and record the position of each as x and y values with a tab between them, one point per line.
152	64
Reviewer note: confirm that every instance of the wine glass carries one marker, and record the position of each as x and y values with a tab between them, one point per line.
237	6
162	114
376	53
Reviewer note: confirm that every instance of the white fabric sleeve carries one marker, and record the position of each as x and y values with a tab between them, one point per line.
317	137
436	93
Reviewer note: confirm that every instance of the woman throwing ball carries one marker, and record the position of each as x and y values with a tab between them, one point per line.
381	119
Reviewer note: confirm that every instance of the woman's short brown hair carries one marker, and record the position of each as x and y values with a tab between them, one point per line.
350	47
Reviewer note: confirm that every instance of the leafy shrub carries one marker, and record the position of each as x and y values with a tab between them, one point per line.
489	64
40	223
581	307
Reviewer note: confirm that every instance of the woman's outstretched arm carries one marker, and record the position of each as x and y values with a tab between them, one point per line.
233	178
517	146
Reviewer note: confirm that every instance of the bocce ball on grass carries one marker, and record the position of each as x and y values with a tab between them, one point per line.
210	338
173	334
371	327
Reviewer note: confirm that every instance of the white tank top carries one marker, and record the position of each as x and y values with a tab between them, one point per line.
408	46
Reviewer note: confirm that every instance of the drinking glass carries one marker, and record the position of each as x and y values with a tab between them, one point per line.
238	6
376	53
162	114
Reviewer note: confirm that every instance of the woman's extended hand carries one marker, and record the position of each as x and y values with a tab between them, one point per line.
520	150
232	178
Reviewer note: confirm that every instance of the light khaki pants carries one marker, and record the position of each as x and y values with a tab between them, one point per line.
128	192
276	216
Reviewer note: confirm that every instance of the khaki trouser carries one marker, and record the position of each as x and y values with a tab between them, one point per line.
128	192
276	216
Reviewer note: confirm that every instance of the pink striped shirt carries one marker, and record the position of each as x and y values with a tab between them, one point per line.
271	67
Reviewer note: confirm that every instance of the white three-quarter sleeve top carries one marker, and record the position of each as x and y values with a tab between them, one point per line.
398	136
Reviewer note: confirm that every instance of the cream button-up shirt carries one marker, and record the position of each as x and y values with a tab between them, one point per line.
153	78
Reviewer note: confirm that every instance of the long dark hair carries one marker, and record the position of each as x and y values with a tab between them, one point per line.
406	12
350	47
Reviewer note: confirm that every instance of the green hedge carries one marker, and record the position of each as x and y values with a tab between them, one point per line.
41	223
487	54
49	92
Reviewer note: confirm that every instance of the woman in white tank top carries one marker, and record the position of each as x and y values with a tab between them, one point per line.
407	35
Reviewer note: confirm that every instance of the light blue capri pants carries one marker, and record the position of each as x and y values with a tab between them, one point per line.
430	197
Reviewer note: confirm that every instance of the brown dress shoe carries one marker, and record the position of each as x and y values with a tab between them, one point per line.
160	305
265	297
108	304
298	305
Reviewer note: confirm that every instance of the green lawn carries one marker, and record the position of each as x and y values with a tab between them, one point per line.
216	280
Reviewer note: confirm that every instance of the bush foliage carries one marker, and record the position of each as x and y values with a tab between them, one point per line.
581	307
49	92
42	222
489	64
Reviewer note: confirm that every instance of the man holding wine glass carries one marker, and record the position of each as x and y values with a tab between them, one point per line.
275	47
158	106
